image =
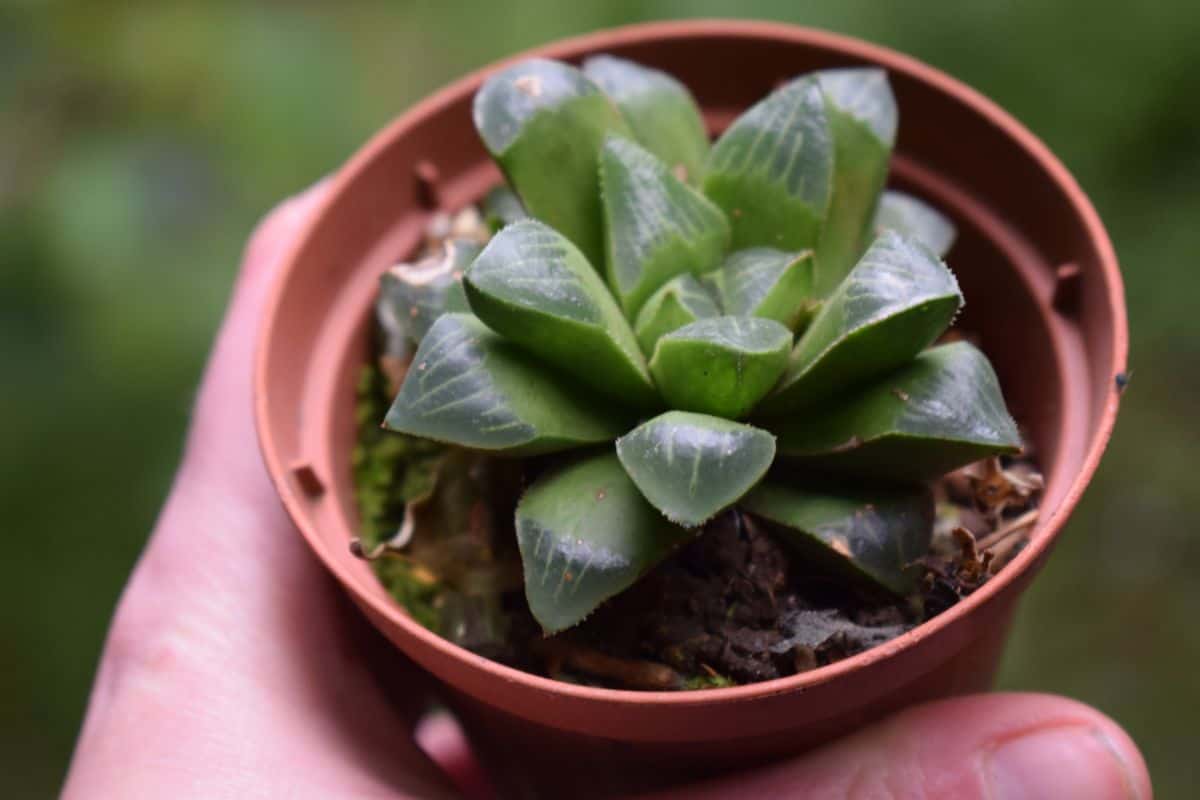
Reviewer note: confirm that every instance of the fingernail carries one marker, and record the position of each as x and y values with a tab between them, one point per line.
1071	763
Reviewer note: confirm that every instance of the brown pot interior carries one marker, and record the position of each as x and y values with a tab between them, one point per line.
1043	296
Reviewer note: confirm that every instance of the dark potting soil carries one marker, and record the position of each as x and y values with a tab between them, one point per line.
735	606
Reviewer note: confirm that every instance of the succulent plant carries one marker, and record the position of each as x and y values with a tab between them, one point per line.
745	324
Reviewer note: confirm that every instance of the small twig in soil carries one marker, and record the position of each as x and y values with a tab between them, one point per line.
395	544
632	673
997	536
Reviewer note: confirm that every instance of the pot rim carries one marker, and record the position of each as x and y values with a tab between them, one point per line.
643	33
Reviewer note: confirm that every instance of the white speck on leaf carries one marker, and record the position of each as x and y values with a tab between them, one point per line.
529	84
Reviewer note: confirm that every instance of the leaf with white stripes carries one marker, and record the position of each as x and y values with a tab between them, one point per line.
862	117
872	535
533	286
468	386
767	283
656	226
941	412
661	111
915	219
544	121
586	534
772	170
721	366
893	305
678	302
691	466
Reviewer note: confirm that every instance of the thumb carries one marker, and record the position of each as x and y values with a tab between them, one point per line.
990	747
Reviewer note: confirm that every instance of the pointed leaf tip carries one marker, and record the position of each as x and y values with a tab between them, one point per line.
772	170
534	287
661	111
469	387
942	411
767	283
657	226
691	466
544	121
873	535
586	534
865	94
862	117
894	304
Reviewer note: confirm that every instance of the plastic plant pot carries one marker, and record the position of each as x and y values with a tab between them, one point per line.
1044	297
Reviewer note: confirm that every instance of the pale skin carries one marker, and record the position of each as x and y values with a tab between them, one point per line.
234	668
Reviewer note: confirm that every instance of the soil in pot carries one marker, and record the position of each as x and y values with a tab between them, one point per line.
733	606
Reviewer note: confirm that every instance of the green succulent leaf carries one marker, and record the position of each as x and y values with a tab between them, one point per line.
893	305
875	536
767	283
468	386
772	170
721	366
862	117
532	285
657	226
661	111
942	411
915	219
413	296
864	95
690	466
585	534
501	207
544	121
680	301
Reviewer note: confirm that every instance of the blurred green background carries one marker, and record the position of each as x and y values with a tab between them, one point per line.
139	144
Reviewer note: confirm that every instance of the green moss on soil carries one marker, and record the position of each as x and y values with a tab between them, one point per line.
389	470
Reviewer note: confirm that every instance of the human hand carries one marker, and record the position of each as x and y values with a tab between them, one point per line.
234	668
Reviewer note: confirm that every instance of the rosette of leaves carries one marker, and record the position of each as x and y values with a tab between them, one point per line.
690	327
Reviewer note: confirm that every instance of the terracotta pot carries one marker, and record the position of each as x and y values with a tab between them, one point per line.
1043	294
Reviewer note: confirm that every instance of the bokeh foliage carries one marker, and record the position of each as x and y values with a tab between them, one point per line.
140	141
